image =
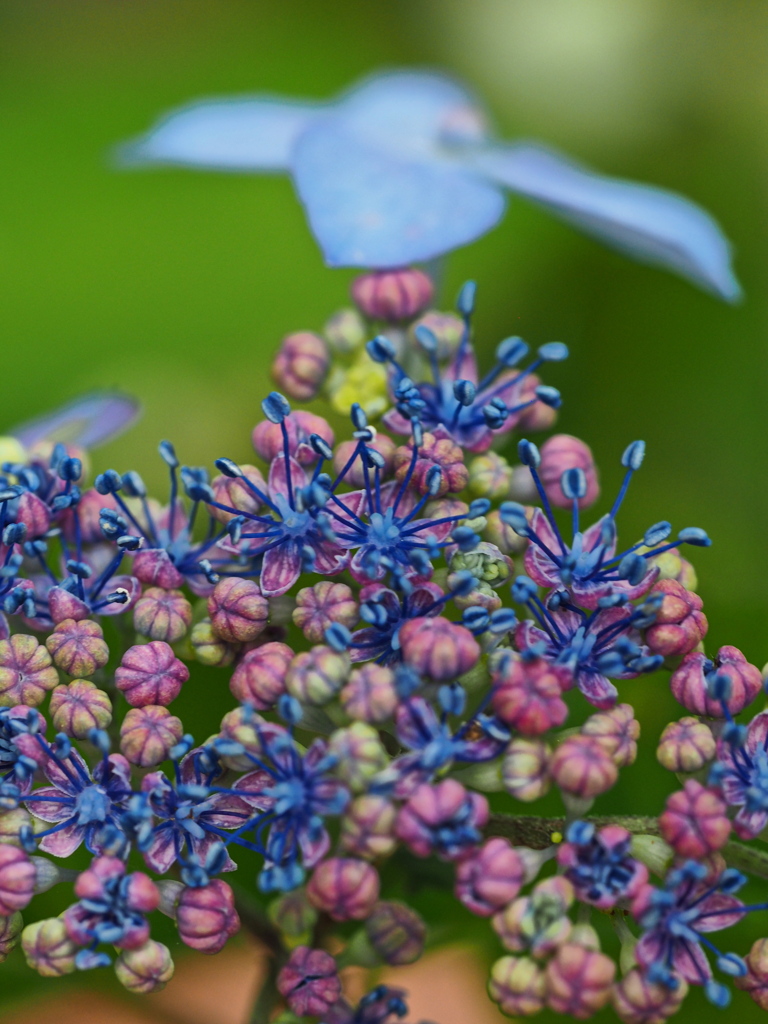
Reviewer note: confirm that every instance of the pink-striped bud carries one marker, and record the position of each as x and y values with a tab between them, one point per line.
579	981
148	734
235	493
79	707
162	615
300	366
525	769
490	877
693	684
26	671
48	948
150	674
78	648
396	932
583	767
17	880
437	648
316	676
695	821
34	513
368	827
206	916
238	610
320	606
640	1001
434	450
392	295
344	888
355	473
617	730
370	695
259	677
686	746
680	624
517	985
559	454
269	443
309	982
527	693
146	969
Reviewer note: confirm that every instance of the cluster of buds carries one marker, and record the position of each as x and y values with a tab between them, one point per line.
398	624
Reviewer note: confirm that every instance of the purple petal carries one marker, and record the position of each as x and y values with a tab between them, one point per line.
64	842
280	569
86	422
598	690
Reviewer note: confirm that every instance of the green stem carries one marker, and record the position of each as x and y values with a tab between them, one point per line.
268	996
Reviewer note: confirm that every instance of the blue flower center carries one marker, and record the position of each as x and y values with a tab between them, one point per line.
92	805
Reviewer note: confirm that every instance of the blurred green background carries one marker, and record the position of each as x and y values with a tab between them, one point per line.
177	286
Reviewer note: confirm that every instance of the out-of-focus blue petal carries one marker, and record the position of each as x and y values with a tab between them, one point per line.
648	223
247	134
87	422
368	208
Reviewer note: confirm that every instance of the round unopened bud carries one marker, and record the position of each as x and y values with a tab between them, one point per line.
244	726
269	442
370	695
11	823
517	985
344	888
672	566
10	932
17	880
502	535
538	922
360	754
617	730
755	981
680	624
238	610
162	615
148	735
583	767
78	648
438	648
293	914
690	683
345	331
354	473
309	982
210	649
527	694
434	450
206	916
78	707
259	677
579	981
48	948
150	674
490	877
490	567
320	606
26	671
637	1000
234	492
686	746
392	295
695	821
447	330
368	827
525	769
146	969
33	512
396	933
559	454
316	676
300	366
490	476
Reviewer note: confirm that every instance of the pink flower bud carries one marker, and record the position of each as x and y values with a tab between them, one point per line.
238	610
689	682
268	439
316	676
447	328
392	295
538	416
695	821
583	767
437	648
309	982
368	827
320	606
355	473
396	932
10	932
490	877
680	624
538	922
34	513
235	493
370	695
154	568
17	880
300	366
89	516
639	1001
527	694
617	730
48	948
162	615
517	985
150	674
435	450
78	648
525	769
246	727
563	452
579	981
686	746
344	888
755	981
79	707
206	916
209	648
444	819
148	734
26	671
259	677
146	969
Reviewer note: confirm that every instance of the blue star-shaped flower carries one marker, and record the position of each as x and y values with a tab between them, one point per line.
403	168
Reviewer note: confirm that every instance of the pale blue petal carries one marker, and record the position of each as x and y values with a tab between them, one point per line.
368	208
647	223
244	134
87	422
